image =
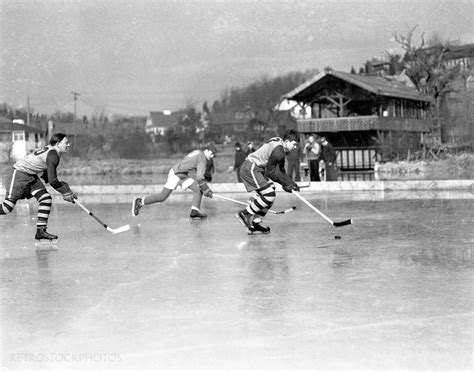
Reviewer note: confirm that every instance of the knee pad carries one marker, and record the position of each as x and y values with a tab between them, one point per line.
45	199
267	189
268	193
41	194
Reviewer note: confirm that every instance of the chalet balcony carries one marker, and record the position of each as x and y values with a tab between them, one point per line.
362	123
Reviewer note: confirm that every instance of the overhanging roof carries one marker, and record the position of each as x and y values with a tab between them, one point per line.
387	86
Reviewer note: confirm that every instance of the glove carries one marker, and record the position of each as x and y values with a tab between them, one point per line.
64	188
69	197
290	188
207	192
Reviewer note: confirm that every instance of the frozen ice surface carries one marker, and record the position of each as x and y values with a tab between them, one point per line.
395	292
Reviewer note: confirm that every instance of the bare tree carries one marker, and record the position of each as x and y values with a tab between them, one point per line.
427	66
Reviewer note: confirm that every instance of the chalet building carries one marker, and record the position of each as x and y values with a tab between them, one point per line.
366	118
17	139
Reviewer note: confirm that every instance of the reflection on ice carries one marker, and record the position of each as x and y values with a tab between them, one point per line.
453	257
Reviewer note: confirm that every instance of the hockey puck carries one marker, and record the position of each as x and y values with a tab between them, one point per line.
337	237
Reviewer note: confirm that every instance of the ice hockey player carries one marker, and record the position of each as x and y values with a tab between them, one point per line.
23	182
190	173
261	167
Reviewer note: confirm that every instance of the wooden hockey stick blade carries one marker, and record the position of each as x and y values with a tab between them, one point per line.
336	224
342	223
119	229
113	231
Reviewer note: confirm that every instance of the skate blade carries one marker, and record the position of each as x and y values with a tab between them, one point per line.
249	232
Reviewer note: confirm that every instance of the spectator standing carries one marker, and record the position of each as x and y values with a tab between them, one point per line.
209	170
240	156
294	158
250	147
328	154
312	152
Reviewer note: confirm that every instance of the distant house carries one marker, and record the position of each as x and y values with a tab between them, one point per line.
460	55
229	123
18	139
366	118
242	122
277	121
158	122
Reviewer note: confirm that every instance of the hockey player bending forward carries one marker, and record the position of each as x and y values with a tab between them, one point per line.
261	167
24	182
196	163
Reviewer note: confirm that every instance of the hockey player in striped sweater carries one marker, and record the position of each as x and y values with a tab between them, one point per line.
259	170
23	182
190	173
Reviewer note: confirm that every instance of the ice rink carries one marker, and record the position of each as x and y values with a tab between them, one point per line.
395	292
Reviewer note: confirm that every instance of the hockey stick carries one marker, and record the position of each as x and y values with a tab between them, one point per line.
337	224
113	231
243	203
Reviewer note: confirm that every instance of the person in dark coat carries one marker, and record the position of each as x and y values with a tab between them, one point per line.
328	154
312	152
250	147
240	156
293	158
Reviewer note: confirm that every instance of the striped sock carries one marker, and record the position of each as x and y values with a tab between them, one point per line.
44	208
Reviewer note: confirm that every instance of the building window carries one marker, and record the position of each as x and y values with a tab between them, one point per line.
18	136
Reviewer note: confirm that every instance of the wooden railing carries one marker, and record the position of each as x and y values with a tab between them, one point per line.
362	123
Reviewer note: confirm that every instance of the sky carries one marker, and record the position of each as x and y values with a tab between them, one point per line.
131	57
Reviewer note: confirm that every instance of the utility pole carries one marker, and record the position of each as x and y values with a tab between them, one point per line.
28	110
75	94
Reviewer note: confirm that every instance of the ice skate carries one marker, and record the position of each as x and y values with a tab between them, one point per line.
45	241
245	218
43	235
197	214
258	228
